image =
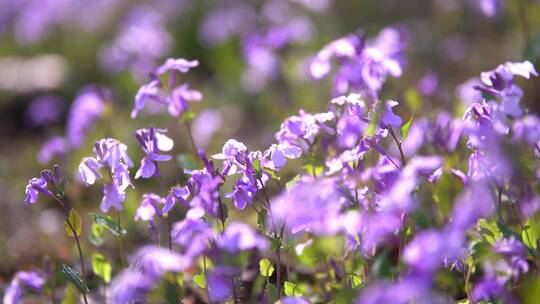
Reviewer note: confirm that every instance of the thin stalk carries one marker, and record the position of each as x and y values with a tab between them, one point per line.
235	297
191	140
278	255
168	223
77	241
81	257
398	143
221	215
121	252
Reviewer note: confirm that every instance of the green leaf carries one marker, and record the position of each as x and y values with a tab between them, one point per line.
356	280
75	221
529	235
109	223
294	290
188	116
70	296
314	166
101	267
489	230
292	182
97	236
186	161
200	280
289	288
75	278
266	268
405	129
270	293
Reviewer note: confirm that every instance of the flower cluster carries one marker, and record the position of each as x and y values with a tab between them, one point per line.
379	209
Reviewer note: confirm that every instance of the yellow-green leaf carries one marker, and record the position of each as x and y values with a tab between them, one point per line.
405	129
200	280
529	234
266	268
101	267
356	280
73	222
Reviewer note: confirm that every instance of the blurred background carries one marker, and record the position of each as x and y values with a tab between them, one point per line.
253	72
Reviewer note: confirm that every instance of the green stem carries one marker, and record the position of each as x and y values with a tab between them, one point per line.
121	252
81	257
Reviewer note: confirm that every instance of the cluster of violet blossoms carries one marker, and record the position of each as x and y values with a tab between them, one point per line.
379	210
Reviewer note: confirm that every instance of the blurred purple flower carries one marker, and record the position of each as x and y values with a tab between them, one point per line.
53	147
205	125
44	110
141	41
376	60
174	96
428	84
325	205
86	109
240	237
34	280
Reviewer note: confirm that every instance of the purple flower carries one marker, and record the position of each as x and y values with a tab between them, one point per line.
222	23
34	186
300	130
126	52
220	283
149	265
174	96
475	202
86	109
152	141
44	110
205	125
515	253
499	83
388	117
320	197
54	146
489	289
111	155
240	237
363	66
176	193
411	289
180	64
149	207
193	234
428	84
426	252
31	279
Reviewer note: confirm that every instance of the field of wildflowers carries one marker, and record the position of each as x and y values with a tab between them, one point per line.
279	151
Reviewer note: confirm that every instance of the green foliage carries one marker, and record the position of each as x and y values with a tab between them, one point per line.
70	296
489	230
200	280
294	290
109	223
97	235
405	129
73	223
266	268
75	278
101	267
356	280
530	235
